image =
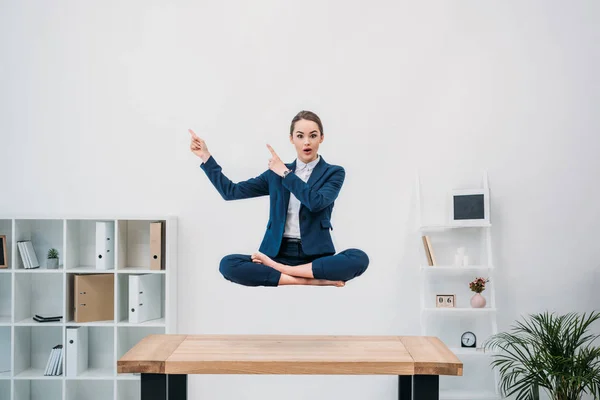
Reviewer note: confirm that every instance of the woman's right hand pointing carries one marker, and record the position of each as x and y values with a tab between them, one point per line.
198	147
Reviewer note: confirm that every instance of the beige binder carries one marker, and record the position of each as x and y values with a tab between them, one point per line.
94	296
157	245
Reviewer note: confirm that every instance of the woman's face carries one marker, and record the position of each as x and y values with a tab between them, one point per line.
306	137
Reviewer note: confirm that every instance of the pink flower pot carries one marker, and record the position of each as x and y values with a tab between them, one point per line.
478	301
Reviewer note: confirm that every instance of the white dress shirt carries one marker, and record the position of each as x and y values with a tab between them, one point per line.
292	222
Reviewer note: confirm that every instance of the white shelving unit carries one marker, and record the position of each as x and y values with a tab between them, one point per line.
25	344
479	381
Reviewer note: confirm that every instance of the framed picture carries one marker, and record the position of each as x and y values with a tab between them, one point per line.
3	253
445	300
470	207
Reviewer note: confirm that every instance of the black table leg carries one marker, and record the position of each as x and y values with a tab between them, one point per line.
163	387
426	387
405	387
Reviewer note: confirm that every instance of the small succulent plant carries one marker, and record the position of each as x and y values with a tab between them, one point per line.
53	253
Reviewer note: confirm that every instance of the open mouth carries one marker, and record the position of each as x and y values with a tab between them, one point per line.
307	151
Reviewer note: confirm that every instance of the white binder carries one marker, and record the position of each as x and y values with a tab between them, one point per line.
145	297
105	245
77	350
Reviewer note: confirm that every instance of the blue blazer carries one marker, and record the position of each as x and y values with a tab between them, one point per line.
317	197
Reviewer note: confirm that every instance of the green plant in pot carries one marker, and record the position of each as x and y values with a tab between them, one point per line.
551	352
52	262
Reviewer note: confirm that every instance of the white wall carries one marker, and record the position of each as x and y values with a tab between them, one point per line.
96	100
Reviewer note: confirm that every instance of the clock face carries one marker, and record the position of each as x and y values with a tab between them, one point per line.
468	339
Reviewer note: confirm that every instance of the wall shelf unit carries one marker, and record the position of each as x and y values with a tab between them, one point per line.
25	344
447	277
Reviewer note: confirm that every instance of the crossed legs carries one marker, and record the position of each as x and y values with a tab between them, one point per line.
261	270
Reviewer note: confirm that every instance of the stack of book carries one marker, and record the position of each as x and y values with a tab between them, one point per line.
55	361
39	318
28	254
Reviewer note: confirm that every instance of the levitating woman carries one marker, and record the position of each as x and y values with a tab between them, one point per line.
297	248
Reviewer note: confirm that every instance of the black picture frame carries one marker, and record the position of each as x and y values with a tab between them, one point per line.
3	253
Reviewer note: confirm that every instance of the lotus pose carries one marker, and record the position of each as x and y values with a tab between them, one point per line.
297	248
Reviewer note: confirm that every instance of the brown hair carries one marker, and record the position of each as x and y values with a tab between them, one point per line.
309	115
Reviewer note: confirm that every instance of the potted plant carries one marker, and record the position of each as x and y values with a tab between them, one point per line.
548	351
478	286
52	262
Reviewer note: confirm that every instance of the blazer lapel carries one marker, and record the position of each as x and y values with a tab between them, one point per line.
317	172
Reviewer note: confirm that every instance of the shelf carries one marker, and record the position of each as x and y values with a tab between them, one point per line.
94	374
140	270
25	344
466	395
445	227
123	307
108	323
89	270
40	270
153	323
44	235
31	322
38	389
89	390
472	352
133	244
40	294
100	352
33	345
451	268
460	310
35	373
81	249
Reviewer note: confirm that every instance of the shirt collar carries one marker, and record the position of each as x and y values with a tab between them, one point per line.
300	165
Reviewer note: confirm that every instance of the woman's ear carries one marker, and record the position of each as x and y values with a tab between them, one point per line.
322	137
291	139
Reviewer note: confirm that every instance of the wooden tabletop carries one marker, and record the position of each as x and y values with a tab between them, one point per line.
289	354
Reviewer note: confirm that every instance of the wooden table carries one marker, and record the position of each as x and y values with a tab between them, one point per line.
165	361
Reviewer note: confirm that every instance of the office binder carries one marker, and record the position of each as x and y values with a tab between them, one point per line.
105	245
145	297
77	350
157	245
94	297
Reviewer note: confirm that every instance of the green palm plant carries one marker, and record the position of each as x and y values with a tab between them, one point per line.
548	351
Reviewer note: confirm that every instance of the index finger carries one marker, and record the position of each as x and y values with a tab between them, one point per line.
271	150
193	133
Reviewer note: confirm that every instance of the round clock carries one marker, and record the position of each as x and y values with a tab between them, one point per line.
468	339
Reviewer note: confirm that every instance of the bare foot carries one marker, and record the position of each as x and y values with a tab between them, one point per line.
294	280
261	258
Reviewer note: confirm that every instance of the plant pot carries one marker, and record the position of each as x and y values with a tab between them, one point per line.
478	301
52	263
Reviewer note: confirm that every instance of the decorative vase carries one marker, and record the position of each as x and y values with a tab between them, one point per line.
478	301
52	263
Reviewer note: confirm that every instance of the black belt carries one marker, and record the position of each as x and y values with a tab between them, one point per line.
292	240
